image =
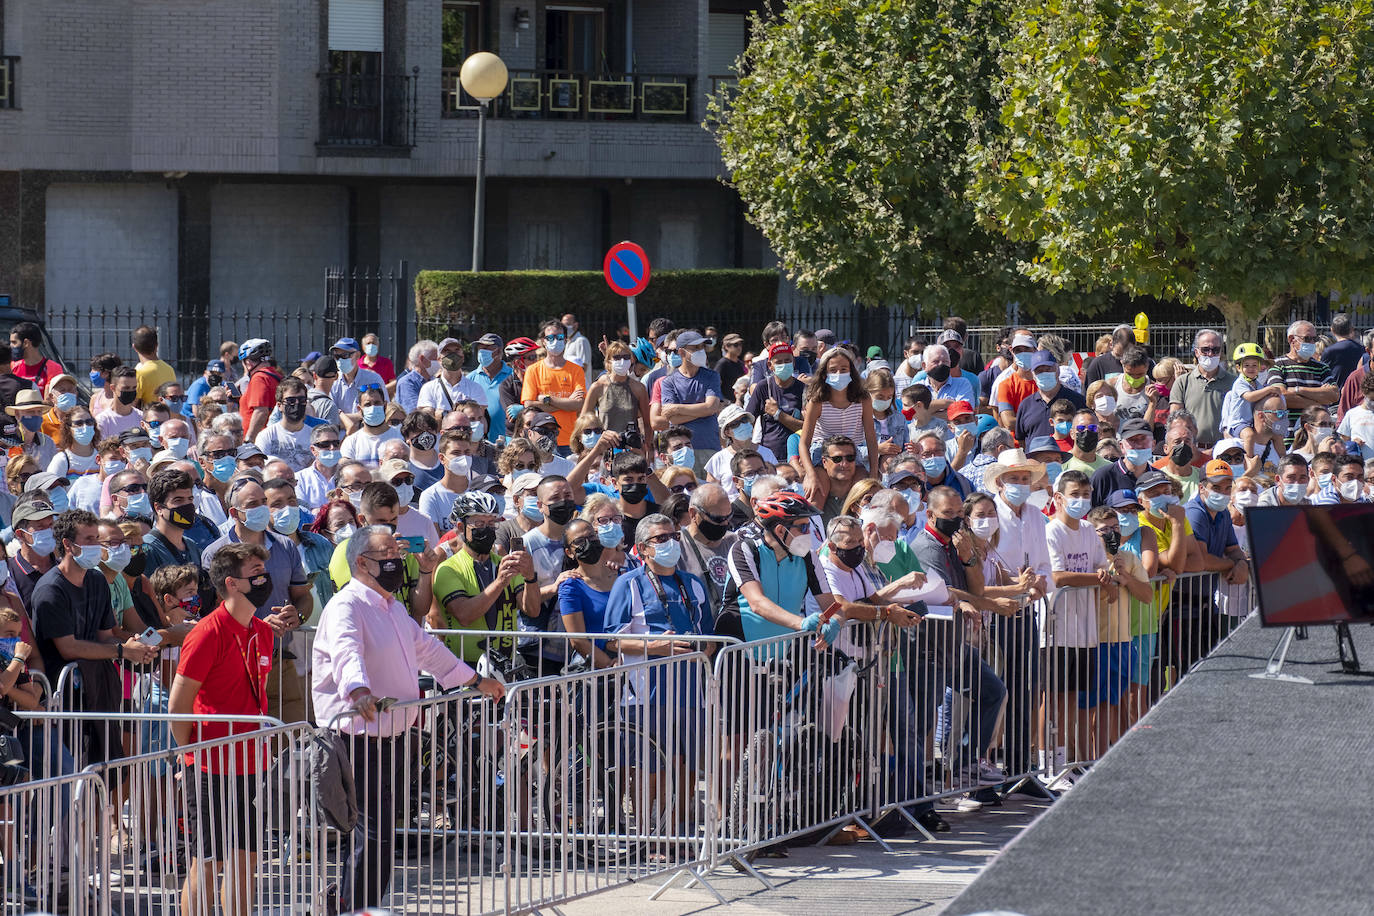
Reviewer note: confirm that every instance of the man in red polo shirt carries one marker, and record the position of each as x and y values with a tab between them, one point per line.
260	393
223	670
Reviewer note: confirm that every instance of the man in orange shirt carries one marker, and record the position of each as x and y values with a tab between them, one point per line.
1016	383
555	385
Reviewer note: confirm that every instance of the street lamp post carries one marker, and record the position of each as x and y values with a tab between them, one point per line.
484	78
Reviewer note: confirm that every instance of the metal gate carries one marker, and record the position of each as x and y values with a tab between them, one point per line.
360	300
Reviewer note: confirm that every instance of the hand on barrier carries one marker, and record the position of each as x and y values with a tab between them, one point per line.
810	623
830	630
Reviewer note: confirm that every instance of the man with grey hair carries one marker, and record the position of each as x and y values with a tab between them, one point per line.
992	444
1308	381
707	536
423	356
1344	354
315	480
368	647
1202	390
945	387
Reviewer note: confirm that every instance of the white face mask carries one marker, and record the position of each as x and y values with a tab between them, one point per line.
885	552
1208	363
620	366
984	528
1104	404
882	403
698	358
460	465
1245	498
1351	489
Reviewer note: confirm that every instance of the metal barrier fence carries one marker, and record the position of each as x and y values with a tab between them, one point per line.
581	781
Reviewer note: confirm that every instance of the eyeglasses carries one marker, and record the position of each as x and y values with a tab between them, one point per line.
800	528
843	459
664	538
610	520
219	453
1209	351
1086	428
594	431
462	432
718	519
1311	338
83	424
399	481
328	445
524	467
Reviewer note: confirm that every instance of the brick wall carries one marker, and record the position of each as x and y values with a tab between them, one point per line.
428	226
111	244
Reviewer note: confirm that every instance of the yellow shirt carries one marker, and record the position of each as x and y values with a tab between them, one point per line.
151	375
1146	619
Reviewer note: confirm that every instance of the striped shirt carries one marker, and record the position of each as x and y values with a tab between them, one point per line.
1296	374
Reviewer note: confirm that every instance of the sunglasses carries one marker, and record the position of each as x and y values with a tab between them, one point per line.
842	459
524	467
664	538
370	386
327	446
219	453
134	488
1209	351
684	488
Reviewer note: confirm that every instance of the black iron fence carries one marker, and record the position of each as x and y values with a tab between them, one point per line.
368	110
9	82
564	95
363	300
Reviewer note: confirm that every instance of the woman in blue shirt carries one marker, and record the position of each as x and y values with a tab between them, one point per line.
591	568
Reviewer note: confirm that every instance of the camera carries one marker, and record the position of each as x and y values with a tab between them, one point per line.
631	439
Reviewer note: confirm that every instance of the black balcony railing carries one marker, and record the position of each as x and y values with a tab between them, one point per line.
368	110
9	82
581	96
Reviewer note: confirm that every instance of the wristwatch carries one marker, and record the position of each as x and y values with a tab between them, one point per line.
547	399
119	651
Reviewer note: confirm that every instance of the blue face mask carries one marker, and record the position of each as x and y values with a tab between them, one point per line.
1023	360
484	358
58	497
177	446
89	557
684	457
1292	492
1015	494
970	428
838	380
1158	504
1077	507
286	519
1129	522
8	645
223	468
114	466
529	508
374	414
935	466
782	371
1046	381
744	432
97	380
610	534
1217	501
257	518
1052	470
746	484
66	401
83	434
675	359
1306	350
139	506
32	423
1062	427
590	439
1138	456
329	457
668	553
44	543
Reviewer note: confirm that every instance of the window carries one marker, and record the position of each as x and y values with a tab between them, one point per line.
575	39
462	31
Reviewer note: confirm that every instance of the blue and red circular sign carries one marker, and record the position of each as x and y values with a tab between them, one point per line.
627	269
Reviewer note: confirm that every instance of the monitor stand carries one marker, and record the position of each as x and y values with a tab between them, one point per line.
1350	659
1273	671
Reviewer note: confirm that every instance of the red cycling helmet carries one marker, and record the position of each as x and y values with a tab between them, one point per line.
783	506
520	346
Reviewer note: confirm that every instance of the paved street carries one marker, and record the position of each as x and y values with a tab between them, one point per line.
859	880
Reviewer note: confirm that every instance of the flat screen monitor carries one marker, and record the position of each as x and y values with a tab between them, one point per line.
1313	565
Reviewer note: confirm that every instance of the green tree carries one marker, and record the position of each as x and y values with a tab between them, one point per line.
1214	151
848	140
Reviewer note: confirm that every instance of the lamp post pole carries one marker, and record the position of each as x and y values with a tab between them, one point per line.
479	204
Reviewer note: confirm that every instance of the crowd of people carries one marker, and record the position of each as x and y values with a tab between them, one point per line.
677	483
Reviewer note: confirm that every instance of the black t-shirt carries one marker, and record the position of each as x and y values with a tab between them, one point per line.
62	609
1112	477
772	433
1099	367
971	362
10	386
729	371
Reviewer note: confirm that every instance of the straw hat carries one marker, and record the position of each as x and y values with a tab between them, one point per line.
1012	459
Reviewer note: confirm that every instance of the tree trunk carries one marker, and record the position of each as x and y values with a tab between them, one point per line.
1243	322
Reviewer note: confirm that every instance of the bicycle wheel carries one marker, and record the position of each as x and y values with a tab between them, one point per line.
598	799
753	795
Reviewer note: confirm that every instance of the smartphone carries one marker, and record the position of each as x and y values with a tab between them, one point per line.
415	543
517	545
150	637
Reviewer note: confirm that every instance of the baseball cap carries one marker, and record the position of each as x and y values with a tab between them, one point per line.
325	365
731	339
731	415
1038	444
1151	479
1123	499
1135	427
166	456
1225	445
539	419
31	510
950	337
307	358
134	434
874	352
447	341
1042	359
779	348
1217	469
826	336
393	466
897	475
42	481
249	450
526	481
346	343
690	339
217	365
1023	340
958	409
490	340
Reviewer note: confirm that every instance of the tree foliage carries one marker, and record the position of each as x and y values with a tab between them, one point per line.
849	139
1215	151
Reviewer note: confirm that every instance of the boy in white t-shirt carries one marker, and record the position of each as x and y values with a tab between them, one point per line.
1358	423
1078	563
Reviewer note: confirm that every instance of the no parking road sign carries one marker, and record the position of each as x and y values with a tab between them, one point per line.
627	274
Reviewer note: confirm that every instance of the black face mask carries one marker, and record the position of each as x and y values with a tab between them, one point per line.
423	442
634	493
182	517
481	540
1181	454
391	573
137	563
588	550
17	354
1112	541
807	354
215	380
852	557
1086	440
939	373
259	589
948	526
561	512
712	531
128	397
294	412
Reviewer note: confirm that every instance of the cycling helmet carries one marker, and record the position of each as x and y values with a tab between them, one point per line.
520	346
643	351
783	506
256	349
1247	349
474	502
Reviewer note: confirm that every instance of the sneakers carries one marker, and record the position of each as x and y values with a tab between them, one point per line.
967	804
989	775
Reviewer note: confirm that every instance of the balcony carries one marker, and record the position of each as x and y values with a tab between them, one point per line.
9	82
561	95
368	113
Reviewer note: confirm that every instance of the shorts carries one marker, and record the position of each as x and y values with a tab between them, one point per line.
1143	652
221	812
1071	667
1115	666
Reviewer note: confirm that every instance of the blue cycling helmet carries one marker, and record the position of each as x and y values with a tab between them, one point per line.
643	351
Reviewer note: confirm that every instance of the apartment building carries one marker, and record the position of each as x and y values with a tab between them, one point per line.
229	151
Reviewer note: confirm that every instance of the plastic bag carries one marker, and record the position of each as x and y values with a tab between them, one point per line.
835	696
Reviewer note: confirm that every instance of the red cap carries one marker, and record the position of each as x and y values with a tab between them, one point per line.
957	408
779	348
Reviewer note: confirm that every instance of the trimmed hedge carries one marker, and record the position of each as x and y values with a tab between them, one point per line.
512	303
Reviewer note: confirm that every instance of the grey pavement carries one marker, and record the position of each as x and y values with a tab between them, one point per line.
918	876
